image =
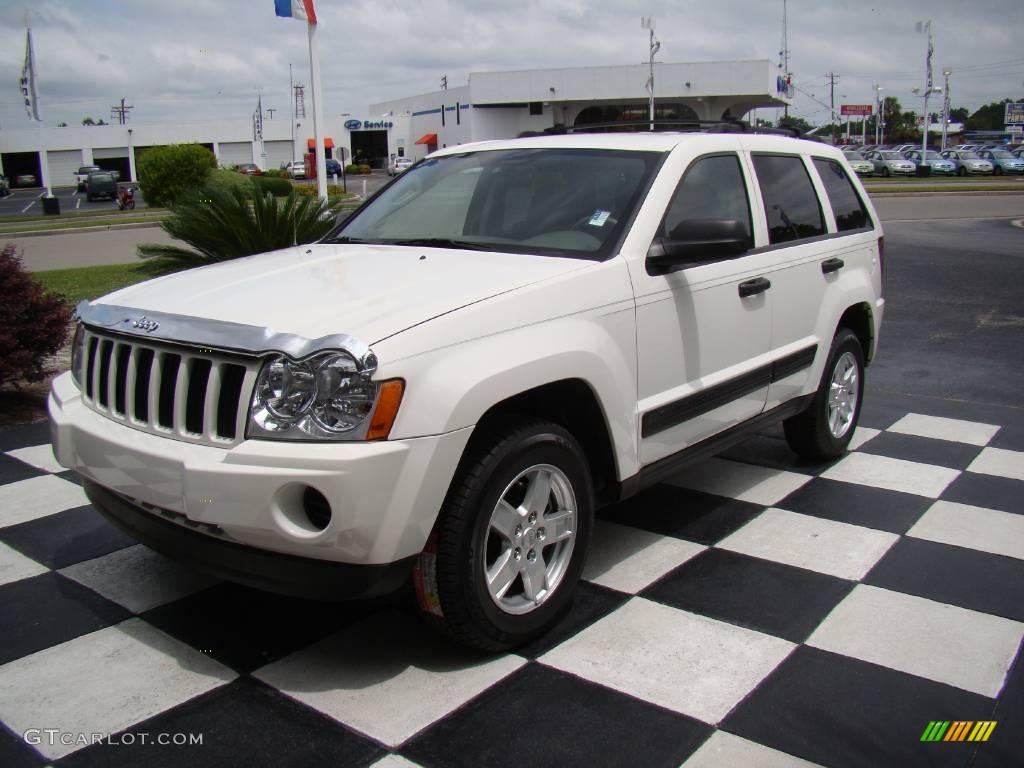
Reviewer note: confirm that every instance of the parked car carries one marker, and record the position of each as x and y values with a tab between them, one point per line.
888	162
446	387
938	164
26	180
967	162
860	164
333	167
5	186
1002	161
100	184
83	173
297	169
399	165
250	169
1018	151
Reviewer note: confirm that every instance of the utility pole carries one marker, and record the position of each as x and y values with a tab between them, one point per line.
271	111
879	132
291	106
832	79
928	89
120	113
946	71
655	45
444	82
784	56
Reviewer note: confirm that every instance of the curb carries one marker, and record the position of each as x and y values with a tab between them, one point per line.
944	193
78	230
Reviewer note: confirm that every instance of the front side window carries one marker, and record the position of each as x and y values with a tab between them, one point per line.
550	201
846	204
790	202
712	189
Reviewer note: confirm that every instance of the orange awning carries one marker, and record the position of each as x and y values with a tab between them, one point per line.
427	138
328	143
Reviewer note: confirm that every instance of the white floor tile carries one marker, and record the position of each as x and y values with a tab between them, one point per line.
951	645
39	456
723	750
999	462
892	474
735	480
961	525
956	430
861	436
826	546
628	559
388	677
103	682
138	578
14	566
688	663
395	761
38	497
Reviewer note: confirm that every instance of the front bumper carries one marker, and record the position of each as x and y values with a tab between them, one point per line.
383	496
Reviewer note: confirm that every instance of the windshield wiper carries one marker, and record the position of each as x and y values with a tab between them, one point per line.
346	240
438	242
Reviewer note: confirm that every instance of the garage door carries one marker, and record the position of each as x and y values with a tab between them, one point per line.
109	153
278	152
63	164
235	152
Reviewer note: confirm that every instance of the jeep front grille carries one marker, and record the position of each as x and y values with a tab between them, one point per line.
199	396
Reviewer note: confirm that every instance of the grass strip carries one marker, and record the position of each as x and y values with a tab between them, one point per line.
80	283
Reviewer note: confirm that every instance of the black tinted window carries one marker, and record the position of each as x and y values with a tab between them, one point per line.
712	188
842	196
791	205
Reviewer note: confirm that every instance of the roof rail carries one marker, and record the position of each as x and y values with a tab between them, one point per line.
681	125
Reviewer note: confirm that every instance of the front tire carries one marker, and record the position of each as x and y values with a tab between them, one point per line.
961	171
885	173
511	540
824	430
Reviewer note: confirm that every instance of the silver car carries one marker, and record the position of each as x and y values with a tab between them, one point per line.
1003	161
939	165
860	164
967	162
889	162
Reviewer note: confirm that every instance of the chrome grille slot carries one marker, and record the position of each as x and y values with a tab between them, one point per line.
196	396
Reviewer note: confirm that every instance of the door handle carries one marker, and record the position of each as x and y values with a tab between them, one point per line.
832	265
754	287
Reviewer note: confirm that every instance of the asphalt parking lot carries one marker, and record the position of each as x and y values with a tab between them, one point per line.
29	201
754	610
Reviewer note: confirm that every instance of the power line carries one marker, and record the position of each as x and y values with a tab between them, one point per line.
120	113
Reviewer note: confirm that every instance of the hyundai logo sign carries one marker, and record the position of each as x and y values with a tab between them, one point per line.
353	125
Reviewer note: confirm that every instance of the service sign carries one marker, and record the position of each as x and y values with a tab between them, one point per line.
860	110
353	125
1014	114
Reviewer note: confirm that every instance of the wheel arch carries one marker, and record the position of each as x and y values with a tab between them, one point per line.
860	319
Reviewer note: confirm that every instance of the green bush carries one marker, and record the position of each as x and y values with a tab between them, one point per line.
355	170
222	224
166	173
33	323
310	190
275	186
226	180
277	173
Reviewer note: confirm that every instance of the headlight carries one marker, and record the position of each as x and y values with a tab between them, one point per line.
78	354
322	398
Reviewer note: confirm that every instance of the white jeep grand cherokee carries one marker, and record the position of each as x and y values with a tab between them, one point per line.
509	335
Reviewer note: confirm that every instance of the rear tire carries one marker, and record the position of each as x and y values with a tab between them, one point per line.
824	430
961	171
511	540
997	171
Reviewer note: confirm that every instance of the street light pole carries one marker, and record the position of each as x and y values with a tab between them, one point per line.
928	88
878	114
647	22
946	71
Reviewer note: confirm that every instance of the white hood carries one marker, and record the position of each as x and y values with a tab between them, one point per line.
367	291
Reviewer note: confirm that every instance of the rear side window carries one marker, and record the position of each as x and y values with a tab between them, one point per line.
842	196
791	205
713	188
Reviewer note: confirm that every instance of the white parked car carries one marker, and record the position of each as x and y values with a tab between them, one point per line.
296	169
400	164
448	386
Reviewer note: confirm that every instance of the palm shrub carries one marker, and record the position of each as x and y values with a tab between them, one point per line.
222	224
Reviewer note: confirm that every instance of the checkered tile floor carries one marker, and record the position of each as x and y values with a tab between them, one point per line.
752	612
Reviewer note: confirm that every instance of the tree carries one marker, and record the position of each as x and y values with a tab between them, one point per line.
791	121
990	117
166	173
958	115
62	124
90	121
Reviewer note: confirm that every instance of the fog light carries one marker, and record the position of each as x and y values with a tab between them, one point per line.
317	508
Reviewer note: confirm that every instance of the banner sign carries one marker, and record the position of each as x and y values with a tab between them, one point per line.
1014	114
861	110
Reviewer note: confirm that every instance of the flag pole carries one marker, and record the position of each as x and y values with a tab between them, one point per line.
318	113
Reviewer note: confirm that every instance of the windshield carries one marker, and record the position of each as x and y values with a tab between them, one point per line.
1002	154
970	156
558	201
855	156
100	177
892	156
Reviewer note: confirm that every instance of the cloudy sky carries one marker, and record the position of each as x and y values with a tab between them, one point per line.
208	59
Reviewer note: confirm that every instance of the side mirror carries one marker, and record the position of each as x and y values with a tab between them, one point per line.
698	240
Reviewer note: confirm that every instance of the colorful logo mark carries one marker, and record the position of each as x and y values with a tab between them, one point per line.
958	730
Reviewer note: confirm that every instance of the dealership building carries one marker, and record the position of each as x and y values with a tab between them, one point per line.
492	105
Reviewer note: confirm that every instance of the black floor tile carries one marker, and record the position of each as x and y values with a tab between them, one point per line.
954	575
246	628
241	724
66	538
683	513
542	717
877	411
768	597
942	453
48	610
1005	747
846	713
25	436
1009	438
15	753
12	470
857	504
71	476
774	452
590	602
987	491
